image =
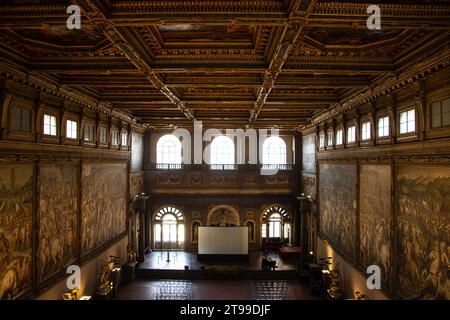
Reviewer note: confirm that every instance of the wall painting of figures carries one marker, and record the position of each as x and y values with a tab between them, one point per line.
16	238
423	194
103	204
58	218
337	198
375	218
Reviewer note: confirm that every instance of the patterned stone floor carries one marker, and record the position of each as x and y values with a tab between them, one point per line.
215	290
269	290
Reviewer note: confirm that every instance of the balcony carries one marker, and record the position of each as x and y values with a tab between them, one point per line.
221	179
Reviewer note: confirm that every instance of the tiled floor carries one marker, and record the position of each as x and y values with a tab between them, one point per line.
179	259
215	290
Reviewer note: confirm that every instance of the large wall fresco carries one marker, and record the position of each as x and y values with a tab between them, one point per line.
58	217
376	217
337	197
423	231
103	204
16	232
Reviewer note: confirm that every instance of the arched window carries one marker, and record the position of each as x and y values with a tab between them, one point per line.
168	228
168	151
274	151
276	225
222	153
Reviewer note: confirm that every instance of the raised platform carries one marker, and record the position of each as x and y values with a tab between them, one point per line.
185	265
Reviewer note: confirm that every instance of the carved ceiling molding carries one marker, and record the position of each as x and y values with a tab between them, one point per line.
293	33
387	85
98	18
50	85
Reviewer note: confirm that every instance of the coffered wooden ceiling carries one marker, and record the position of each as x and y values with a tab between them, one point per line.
227	63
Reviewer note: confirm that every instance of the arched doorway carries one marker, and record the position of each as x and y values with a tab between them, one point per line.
168	229
276	226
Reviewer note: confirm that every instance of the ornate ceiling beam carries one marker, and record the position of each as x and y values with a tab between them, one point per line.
385	85
97	15
145	13
393	15
292	33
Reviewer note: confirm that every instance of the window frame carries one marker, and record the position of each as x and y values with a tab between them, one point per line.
76	129
22	108
366	124
175	157
347	140
99	134
330	144
282	146
226	164
114	137
341	144
382	117
442	126
124	137
52	116
416	122
89	124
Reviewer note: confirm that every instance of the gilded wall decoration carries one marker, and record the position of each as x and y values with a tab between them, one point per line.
136	183
196	215
16	233
223	180
196	180
423	231
276	180
168	179
223	216
249	180
376	217
309	184
337	185
58	217
103	203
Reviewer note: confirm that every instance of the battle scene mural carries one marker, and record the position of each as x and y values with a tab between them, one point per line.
16	218
337	199
423	231
103	203
58	212
375	217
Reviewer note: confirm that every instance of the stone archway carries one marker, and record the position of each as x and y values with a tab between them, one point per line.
224	216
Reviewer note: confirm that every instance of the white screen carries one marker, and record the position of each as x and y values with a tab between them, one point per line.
223	240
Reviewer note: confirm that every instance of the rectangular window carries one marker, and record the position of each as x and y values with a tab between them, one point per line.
365	131
440	114
383	127
89	132
351	134
330	139
49	125
115	138
21	119
321	141
71	129
124	139
339	137
408	121
103	135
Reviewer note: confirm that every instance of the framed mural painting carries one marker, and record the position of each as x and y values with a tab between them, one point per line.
337	201
103	203
16	229
58	218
